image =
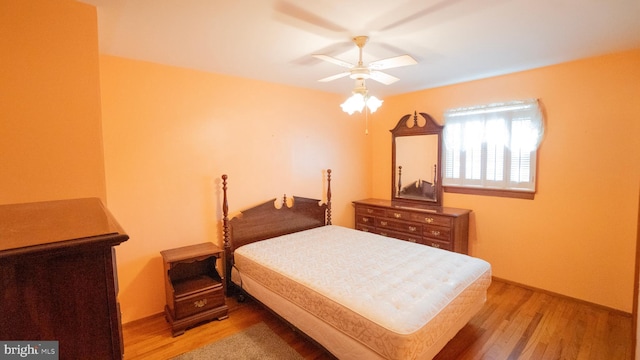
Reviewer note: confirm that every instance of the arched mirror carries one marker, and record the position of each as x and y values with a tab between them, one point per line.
416	176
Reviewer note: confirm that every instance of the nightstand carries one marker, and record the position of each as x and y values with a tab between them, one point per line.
195	291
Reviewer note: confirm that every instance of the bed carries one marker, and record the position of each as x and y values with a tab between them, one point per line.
357	294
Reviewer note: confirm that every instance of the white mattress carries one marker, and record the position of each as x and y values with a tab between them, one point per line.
398	299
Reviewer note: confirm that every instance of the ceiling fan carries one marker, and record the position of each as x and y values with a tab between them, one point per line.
370	71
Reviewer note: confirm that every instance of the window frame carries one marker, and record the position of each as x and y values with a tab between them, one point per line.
482	185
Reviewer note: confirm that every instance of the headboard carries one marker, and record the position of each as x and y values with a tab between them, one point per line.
265	221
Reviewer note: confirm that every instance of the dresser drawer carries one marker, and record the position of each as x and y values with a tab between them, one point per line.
400	235
411	228
369	211
366	228
444	245
431	219
398	214
198	302
365	220
437	233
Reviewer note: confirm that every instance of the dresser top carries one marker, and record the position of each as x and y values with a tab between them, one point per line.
422	208
54	224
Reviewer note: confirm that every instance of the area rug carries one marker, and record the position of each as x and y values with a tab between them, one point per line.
255	342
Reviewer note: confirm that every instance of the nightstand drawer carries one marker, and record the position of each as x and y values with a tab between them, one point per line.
198	302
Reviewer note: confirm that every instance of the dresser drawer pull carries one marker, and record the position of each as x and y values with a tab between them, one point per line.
383	223
397	215
412	228
437	246
370	211
200	303
428	220
383	234
435	232
364	219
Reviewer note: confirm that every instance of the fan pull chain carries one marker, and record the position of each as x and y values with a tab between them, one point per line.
366	120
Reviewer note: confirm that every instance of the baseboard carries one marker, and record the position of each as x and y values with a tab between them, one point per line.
603	307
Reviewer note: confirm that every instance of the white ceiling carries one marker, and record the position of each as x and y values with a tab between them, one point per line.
452	40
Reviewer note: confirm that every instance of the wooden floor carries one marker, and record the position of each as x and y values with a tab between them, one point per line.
515	323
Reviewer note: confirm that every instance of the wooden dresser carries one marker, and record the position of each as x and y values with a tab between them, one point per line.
58	277
441	227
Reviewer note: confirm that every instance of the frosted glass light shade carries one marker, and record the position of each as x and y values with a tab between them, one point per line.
373	103
357	103
353	104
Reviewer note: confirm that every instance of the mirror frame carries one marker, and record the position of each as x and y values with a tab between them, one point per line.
431	127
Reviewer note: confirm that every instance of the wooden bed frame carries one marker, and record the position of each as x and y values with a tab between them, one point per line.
265	221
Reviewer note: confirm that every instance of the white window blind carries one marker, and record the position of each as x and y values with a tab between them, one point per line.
493	146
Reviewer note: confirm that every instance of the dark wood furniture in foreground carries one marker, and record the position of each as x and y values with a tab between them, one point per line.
194	289
58	277
440	227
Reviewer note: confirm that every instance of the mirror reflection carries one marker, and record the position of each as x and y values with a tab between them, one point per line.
417	169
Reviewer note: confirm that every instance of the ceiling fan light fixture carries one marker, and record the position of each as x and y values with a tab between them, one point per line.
358	101
373	103
354	103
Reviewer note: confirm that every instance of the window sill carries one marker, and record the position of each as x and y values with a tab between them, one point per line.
490	192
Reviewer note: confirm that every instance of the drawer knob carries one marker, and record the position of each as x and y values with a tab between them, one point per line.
364	219
397	215
435	232
200	303
383	223
428	220
370	211
412	228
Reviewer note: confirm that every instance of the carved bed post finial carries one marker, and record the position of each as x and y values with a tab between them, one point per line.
399	179
225	234
225	212
328	196
415	118
284	200
435	174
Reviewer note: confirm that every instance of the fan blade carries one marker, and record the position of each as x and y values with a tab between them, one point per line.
306	16
333	60
333	77
394	62
381	77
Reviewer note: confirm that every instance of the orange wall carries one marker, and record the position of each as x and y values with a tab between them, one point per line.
578	236
169	135
50	129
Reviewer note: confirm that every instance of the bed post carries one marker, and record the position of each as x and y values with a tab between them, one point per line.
225	234
328	196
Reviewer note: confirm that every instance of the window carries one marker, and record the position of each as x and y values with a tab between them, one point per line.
492	148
